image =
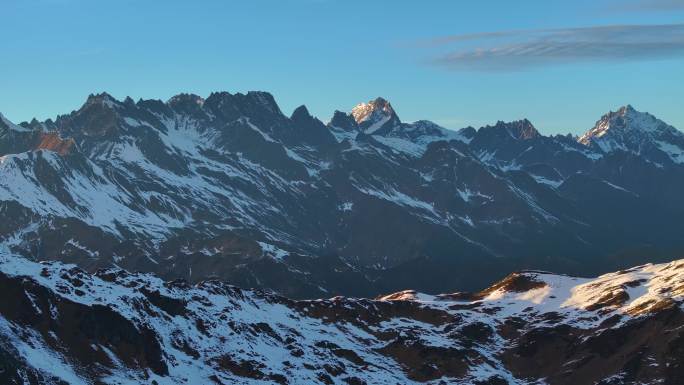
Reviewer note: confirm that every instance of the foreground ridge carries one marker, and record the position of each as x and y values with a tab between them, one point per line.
60	324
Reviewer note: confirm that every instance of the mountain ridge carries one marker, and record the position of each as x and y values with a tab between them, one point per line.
266	99
211	332
230	187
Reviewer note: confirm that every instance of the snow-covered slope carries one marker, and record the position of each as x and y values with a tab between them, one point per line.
58	323
581	302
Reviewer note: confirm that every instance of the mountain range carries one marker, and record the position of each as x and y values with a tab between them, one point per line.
230	188
62	325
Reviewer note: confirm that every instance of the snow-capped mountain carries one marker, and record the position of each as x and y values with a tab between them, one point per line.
61	325
375	116
230	187
641	133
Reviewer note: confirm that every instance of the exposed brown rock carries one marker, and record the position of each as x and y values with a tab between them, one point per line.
53	142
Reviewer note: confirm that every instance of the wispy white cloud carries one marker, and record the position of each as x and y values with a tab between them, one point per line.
524	49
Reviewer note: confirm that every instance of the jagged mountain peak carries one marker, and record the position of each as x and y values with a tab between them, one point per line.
521	129
375	114
129	101
518	129
184	98
630	130
626	118
190	102
343	120
254	104
153	105
301	113
102	98
265	100
365	111
627	109
468	133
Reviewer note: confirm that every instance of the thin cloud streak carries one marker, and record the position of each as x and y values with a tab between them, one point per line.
525	49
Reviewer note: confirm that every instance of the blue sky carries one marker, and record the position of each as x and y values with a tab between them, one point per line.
561	64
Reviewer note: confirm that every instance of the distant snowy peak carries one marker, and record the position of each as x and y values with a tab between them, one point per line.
626	119
639	132
375	115
372	110
379	119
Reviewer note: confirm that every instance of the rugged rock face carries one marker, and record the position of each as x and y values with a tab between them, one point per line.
229	187
61	325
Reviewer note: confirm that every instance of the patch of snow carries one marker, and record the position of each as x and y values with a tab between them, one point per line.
546	181
132	122
397	197
273	251
674	152
346	206
619	187
378	125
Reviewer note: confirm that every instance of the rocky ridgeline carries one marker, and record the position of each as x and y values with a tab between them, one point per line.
230	187
61	325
